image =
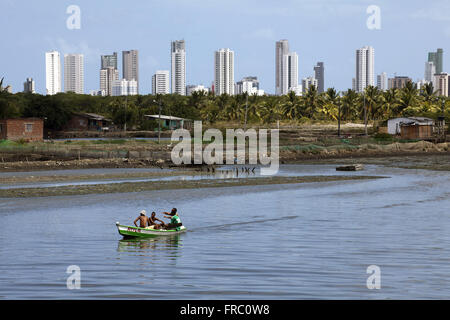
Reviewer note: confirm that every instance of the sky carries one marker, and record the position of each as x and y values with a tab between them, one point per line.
318	30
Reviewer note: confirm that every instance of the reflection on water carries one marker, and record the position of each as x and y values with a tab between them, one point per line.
170	245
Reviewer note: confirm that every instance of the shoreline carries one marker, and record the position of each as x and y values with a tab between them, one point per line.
292	158
170	185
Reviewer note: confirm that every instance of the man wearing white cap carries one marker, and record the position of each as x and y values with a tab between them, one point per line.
143	219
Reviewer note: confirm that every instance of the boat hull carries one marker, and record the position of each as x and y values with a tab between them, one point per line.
136	232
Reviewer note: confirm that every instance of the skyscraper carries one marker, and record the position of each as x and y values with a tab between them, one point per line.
290	73
430	71
74	73
124	87
319	72
160	82
441	84
224	72
281	49
308	82
107	77
382	81
130	65
28	86
438	59
178	66
109	61
52	72
365	59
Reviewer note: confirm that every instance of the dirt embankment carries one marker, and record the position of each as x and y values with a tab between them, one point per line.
169	185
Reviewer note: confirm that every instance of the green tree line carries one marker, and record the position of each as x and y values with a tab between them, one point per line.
327	106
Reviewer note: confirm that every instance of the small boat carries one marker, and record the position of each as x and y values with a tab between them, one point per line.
353	167
134	232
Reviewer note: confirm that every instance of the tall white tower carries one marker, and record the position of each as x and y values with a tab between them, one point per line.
178	65
281	49
365	60
224	72
290	73
53	72
382	81
74	73
430	71
160	82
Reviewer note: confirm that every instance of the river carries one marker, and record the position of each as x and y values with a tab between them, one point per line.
305	241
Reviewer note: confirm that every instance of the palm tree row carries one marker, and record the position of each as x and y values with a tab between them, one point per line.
372	104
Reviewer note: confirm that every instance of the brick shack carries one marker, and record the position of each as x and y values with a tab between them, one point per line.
87	122
29	129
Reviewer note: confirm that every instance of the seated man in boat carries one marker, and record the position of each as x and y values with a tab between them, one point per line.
175	221
152	222
143	219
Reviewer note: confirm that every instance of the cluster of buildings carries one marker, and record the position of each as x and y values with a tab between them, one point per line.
174	80
365	60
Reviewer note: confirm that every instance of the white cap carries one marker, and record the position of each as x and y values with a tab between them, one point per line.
143	212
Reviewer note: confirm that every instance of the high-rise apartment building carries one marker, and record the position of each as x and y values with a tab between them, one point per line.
124	87
28	86
281	49
74	73
196	88
398	82
382	81
430	71
130	65
438	59
109	61
107	76
178	66
160	82
224	72
308	82
365	60
441	84
290	73
249	85
52	72
319	75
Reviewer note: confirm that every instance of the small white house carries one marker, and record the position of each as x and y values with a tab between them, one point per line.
394	125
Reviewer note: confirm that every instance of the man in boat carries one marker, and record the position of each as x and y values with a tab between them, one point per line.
152	222
175	221
143	219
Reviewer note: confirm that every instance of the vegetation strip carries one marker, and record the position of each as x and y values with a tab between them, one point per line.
169	185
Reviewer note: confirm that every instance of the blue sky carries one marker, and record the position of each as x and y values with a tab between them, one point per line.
318	30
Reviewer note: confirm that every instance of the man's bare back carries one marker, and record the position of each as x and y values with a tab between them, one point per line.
143	220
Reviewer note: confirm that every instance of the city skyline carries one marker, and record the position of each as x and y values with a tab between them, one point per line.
253	47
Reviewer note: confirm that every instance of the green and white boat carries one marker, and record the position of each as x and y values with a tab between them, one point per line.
136	232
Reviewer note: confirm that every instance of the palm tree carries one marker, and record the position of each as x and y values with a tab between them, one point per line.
291	108
408	99
349	104
390	103
331	104
311	100
6	89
